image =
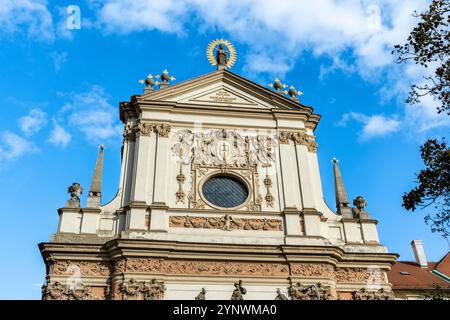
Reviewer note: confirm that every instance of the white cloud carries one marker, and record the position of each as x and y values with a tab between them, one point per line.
13	146
59	136
142	15
372	126
33	122
91	113
278	29
357	36
30	16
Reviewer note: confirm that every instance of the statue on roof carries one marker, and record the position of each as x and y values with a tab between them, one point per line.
358	210
221	53
221	56
75	190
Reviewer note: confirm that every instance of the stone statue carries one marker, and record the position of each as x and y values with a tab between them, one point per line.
280	296
298	292
358	211
312	292
75	190
221	56
239	291
201	295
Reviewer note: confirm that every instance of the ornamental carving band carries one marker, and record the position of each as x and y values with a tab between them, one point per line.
158	266
226	223
300	138
86	268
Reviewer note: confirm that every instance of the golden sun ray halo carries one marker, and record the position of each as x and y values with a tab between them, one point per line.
210	52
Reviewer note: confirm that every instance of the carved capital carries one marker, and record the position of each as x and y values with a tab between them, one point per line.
162	129
143	129
58	291
142	290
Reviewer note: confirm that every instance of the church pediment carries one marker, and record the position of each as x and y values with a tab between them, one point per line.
223	95
222	88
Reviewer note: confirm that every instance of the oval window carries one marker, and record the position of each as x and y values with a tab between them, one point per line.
225	191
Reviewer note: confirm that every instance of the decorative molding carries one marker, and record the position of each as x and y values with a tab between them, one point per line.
268	184
226	223
313	270
58	291
86	268
300	138
143	129
380	294
142	290
129	132
162	129
352	275
158	266
181	178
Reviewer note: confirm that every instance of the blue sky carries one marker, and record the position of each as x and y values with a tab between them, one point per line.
60	90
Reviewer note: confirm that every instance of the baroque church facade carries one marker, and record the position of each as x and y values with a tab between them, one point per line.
220	197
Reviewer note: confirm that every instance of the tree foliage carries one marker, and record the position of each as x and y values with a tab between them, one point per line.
428	45
434	186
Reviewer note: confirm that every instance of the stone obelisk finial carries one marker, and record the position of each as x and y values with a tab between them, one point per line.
342	203
95	192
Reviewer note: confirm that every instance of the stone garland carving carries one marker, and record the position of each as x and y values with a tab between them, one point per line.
312	292
312	270
58	291
131	131
299	137
86	268
269	197
226	223
138	290
162	129
158	266
380	294
143	128
352	275
181	178
119	266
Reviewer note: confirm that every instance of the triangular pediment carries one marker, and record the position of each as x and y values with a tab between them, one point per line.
222	88
223	95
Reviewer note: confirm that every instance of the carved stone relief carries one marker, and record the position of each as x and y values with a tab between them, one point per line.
86	268
312	292
142	290
223	151
226	223
58	291
380	294
299	137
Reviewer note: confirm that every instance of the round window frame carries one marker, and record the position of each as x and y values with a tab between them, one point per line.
234	175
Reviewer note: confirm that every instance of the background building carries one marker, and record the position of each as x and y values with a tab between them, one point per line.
421	279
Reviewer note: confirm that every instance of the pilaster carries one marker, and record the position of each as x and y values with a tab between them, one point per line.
289	175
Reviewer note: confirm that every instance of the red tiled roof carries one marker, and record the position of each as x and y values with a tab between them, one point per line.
443	266
417	277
